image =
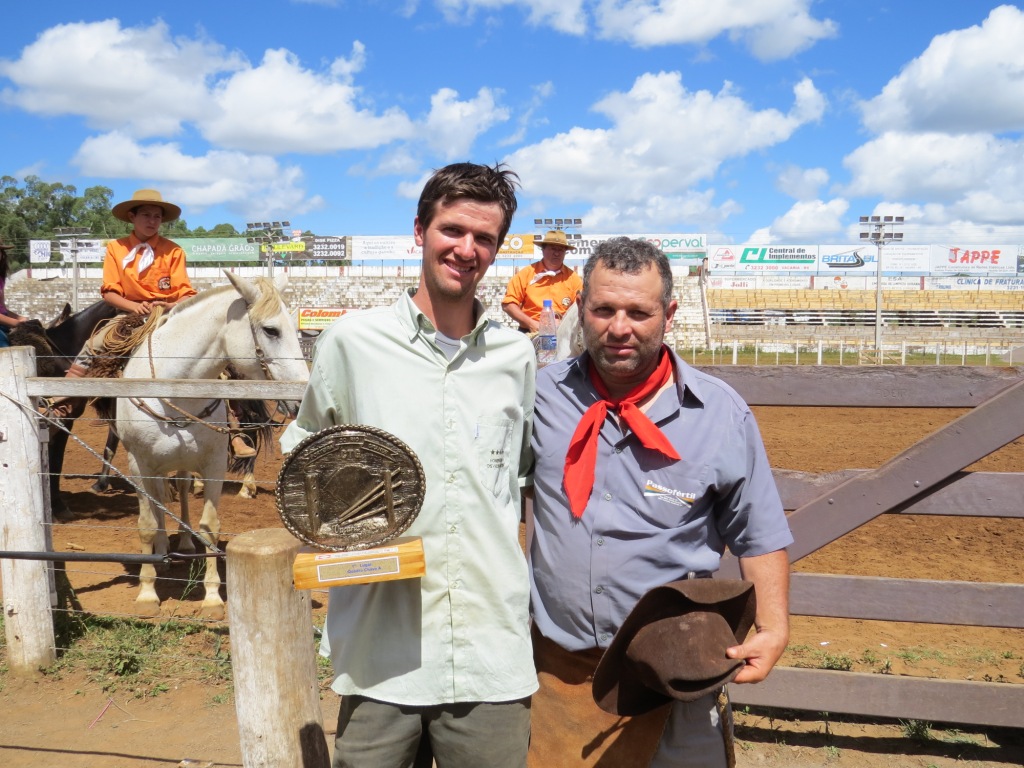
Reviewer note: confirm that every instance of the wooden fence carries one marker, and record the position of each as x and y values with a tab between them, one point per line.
927	478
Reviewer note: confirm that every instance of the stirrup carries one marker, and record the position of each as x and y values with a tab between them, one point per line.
56	408
246	450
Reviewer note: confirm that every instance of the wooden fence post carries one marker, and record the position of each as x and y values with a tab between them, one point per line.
277	700
28	620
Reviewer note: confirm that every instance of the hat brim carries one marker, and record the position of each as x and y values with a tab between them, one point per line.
121	210
552	242
623	695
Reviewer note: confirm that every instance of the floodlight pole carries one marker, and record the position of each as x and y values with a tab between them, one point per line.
272	232
73	233
878	229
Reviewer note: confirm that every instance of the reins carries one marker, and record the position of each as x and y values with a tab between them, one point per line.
185	416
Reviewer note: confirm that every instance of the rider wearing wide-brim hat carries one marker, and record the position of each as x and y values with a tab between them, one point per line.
141	272
144	270
548	278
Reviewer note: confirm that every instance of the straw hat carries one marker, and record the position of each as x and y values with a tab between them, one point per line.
145	197
554	237
672	645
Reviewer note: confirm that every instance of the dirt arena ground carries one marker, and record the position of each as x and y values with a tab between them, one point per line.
72	721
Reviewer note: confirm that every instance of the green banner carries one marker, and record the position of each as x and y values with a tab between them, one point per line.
199	249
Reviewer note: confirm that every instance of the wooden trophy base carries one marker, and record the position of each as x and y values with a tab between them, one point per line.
398	559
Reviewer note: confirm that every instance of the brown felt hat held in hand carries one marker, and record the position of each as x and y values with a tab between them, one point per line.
672	645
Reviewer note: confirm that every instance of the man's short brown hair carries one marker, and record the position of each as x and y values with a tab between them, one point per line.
469	181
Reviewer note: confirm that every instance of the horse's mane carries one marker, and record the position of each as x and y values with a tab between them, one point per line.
266	307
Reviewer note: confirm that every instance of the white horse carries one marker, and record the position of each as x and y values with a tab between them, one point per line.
569	336
245	324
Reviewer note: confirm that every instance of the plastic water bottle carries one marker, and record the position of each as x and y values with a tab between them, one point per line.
546	341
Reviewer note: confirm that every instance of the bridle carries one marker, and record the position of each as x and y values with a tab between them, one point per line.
187	418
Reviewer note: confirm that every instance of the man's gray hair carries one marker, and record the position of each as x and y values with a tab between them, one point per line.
622	254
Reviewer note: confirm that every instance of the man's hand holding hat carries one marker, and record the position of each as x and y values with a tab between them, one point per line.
764	648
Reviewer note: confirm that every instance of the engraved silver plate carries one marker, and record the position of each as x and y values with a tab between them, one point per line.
349	487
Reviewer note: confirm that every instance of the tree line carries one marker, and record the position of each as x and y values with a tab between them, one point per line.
34	209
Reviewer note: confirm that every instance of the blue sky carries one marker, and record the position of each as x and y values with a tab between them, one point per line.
775	121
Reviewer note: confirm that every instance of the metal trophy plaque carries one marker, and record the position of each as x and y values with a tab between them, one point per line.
350	492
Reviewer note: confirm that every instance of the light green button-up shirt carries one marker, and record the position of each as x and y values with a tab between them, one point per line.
461	633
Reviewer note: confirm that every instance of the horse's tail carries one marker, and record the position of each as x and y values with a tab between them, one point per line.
31	333
106	408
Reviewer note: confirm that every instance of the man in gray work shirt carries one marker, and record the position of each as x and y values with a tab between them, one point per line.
646	469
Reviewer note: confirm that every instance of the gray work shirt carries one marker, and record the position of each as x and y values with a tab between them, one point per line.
650	519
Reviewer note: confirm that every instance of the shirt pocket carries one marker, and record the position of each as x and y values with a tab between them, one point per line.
673	499
493	444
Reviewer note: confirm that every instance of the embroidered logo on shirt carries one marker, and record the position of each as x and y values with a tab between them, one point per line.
680	498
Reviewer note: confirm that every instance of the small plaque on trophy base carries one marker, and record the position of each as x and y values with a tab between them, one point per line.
400	559
350	492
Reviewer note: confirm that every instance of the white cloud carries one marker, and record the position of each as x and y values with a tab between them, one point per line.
663	140
772	29
280	106
136	79
658	213
452	125
808	221
541	93
801	183
252	185
967	80
939	167
563	15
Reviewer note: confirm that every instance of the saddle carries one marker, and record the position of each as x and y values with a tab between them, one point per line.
121	336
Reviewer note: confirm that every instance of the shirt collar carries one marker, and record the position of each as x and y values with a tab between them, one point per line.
415	322
686	382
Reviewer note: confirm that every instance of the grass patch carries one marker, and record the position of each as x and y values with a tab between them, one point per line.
143	657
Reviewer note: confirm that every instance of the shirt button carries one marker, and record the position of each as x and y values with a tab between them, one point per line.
600	542
599	590
607	497
451	478
452	529
618	450
603	637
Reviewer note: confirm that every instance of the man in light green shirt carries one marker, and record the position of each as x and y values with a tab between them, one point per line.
448	654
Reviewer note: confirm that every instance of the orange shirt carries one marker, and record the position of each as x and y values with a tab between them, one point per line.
529	291
165	278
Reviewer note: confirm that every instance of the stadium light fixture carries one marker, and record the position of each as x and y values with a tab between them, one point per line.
878	230
73	233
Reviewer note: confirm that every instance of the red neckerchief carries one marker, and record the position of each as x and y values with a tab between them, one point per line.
578	478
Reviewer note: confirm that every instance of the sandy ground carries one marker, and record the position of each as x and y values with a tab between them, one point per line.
76	720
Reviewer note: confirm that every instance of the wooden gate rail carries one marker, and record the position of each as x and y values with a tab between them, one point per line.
926	478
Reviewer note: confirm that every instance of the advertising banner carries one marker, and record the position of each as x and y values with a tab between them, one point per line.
518	246
200	249
847	259
979	283
328	248
385	248
974	260
318	318
38	251
913	259
764	258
